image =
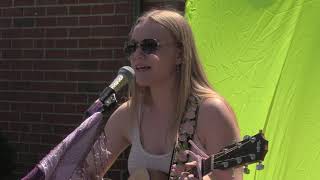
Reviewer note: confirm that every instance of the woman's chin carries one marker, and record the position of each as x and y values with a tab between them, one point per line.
143	83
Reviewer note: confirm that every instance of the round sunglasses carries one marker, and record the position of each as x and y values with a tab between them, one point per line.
148	46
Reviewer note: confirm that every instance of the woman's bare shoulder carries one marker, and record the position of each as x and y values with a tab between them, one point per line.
121	118
217	124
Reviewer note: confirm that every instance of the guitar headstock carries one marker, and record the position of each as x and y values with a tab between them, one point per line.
250	150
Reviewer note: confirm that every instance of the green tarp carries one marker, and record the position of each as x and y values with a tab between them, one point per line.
264	57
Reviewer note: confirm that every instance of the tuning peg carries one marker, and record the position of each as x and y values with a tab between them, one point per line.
246	137
246	170
260	166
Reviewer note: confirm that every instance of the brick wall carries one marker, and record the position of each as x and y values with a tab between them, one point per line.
56	56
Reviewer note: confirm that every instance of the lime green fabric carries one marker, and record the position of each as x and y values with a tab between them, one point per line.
264	57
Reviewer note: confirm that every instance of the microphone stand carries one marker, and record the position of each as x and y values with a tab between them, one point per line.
61	162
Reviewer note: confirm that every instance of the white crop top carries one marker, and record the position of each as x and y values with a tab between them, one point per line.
140	158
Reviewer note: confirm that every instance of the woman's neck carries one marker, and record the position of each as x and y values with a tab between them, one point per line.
164	96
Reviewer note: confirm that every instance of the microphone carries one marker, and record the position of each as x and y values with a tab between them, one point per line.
125	76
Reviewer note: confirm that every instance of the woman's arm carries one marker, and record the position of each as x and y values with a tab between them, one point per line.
217	127
114	139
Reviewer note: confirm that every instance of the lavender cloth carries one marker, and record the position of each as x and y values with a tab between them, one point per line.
69	155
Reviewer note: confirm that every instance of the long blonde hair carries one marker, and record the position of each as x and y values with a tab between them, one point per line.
191	77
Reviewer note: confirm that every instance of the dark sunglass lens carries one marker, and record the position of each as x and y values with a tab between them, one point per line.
149	45
130	48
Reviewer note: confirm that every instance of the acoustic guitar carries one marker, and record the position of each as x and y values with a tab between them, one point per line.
248	151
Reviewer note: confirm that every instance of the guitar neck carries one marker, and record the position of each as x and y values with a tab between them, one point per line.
246	152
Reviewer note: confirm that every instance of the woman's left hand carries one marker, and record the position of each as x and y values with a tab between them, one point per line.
184	170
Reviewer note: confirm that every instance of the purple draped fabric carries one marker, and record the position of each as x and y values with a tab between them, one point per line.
66	160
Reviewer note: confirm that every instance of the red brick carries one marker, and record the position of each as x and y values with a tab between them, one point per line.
54	65
79	32
89	76
53	86
40	148
22	43
58	76
93	1
66	43
44	43
55	53
114	20
118	53
12	12
78	54
103	53
21	147
23	3
31	116
29	75
9	75
65	108
6	23
79	10
103	31
4	64
33	53
113	42
103	9
4	86
76	98
28	109
123	8
20	127
19	86
38	11
33	33
9	116
122	30
13	33
56	32
4	106
57	11
90	20
66	119
92	87
112	64
50	21
46	2
4	126
42	128
89	43
67	21
67	2
5	3
11	136
29	138
20	65
51	139
86	65
28	157
32	96
5	43
9	53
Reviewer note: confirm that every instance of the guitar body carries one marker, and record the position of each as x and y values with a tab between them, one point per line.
140	174
144	174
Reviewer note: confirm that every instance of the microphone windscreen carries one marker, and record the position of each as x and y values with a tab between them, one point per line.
127	71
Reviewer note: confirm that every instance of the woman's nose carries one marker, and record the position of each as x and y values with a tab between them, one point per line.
138	54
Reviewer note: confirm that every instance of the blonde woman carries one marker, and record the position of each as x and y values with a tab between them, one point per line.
162	52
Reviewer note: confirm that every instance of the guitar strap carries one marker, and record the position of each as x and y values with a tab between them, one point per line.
186	132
